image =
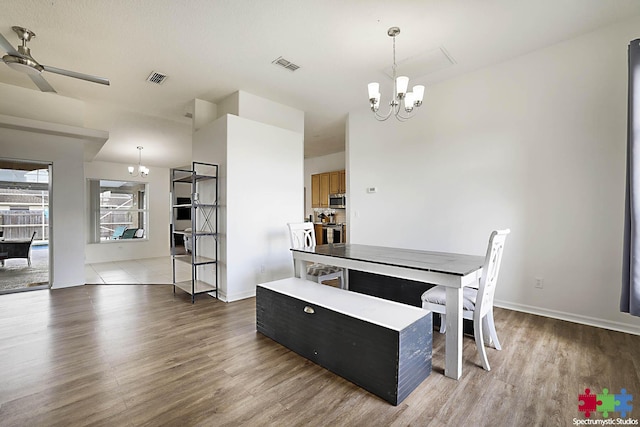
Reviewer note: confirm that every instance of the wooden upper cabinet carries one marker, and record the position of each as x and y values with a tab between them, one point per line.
334	182
315	191
324	190
323	184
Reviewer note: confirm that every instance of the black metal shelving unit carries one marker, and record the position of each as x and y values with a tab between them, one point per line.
203	181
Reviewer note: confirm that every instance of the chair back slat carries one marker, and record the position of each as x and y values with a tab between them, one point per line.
490	270
302	235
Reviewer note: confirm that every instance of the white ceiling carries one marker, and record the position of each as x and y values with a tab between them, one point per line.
210	49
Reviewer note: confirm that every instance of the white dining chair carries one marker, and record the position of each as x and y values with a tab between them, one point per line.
480	310
303	236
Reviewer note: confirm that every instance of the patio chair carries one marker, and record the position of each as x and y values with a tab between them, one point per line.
117	233
129	233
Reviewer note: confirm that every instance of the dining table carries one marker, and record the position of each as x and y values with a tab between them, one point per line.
451	270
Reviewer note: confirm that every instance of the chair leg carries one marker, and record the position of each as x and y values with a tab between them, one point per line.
477	332
492	330
443	324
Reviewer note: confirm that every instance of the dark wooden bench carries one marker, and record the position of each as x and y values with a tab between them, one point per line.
382	346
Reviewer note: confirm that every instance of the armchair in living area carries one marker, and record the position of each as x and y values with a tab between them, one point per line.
303	236
477	303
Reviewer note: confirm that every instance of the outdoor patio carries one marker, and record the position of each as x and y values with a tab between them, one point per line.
17	274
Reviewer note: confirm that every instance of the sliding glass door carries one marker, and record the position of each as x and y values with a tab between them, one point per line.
24	225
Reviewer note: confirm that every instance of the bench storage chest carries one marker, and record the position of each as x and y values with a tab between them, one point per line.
382	346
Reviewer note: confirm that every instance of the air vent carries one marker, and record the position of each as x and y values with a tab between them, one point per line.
156	77
285	64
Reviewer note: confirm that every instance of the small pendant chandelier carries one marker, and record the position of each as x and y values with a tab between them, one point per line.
402	103
142	171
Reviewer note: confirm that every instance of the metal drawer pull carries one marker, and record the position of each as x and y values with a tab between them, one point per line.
309	310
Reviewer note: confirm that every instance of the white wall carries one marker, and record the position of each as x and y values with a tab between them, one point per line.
314	165
252	107
67	234
209	145
261	188
536	144
264	193
156	243
270	112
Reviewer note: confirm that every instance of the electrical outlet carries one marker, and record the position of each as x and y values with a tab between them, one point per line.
263	269
539	283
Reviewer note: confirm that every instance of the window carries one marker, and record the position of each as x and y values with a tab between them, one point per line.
24	200
118	210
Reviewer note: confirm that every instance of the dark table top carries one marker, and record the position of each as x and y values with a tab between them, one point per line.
441	262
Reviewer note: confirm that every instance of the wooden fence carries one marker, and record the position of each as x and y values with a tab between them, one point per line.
21	224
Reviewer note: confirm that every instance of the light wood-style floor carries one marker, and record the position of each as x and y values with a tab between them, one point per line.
136	355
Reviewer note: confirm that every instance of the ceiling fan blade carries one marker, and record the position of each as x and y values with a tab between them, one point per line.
94	79
7	47
42	84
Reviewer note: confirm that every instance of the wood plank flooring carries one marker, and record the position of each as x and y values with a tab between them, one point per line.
136	355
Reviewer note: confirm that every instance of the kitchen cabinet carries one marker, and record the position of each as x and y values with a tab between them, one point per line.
334	182
337	182
323	184
320	190
324	190
315	191
317	228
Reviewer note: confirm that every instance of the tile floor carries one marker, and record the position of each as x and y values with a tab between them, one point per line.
137	271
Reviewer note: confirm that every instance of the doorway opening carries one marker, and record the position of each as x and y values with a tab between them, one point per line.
24	225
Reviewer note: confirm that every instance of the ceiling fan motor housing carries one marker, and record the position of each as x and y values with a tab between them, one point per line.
24	65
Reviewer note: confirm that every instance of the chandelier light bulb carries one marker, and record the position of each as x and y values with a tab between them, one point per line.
408	102
418	92
402	83
374	90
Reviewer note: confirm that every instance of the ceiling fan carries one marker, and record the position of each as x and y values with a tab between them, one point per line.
21	60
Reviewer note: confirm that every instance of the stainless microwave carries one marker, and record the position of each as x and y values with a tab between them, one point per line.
337	201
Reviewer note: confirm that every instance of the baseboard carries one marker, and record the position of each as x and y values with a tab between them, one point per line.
222	296
242	295
569	317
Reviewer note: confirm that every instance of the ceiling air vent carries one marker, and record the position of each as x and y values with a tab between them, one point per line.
156	77
285	64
